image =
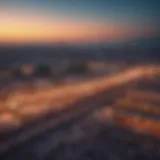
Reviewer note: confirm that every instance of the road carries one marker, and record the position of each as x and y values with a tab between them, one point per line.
20	143
74	133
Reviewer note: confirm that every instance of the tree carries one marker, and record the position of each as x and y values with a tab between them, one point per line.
77	68
43	71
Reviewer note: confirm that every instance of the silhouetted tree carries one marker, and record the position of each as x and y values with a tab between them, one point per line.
43	71
77	68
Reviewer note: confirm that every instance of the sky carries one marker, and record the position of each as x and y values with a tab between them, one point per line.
77	21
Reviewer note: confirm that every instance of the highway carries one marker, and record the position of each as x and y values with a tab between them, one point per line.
102	94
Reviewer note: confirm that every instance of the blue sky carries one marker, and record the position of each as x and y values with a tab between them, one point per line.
120	9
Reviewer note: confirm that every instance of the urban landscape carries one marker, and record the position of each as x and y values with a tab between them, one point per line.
79	80
58	118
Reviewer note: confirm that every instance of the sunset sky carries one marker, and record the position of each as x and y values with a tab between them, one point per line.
47	21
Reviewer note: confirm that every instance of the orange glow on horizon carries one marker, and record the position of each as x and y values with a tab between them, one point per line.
17	28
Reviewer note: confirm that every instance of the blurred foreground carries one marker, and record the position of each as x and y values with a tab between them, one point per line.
111	117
